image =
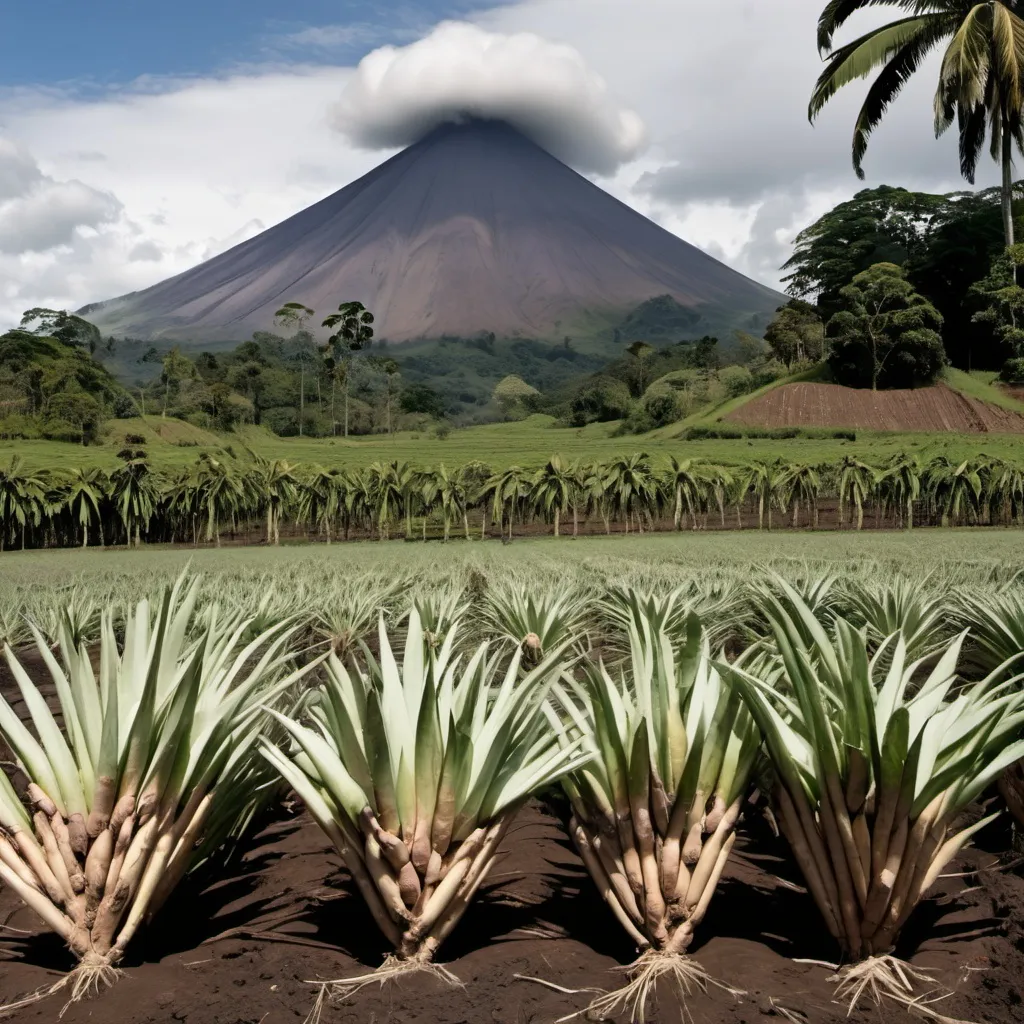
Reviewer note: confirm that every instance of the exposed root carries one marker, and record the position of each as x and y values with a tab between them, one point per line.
885	977
93	974
644	974
392	969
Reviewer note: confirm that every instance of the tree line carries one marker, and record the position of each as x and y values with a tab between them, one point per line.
215	497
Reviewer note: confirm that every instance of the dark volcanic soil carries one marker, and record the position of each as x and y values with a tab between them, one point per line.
240	947
237	946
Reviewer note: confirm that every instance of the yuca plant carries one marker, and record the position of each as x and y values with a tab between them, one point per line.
143	770
996	644
911	608
872	768
536	619
654	810
415	772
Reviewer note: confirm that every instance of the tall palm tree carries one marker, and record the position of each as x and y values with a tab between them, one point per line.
801	485
134	493
899	485
505	490
631	487
278	487
82	494
22	498
981	83
552	489
685	484
855	482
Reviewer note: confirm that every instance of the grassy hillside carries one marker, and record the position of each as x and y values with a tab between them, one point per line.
529	443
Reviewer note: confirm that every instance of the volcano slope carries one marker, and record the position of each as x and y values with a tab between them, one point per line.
473	228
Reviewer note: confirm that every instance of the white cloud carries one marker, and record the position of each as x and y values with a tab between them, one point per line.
18	170
197	166
732	164
51	213
398	94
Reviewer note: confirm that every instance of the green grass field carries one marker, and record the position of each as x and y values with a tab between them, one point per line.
528	443
968	555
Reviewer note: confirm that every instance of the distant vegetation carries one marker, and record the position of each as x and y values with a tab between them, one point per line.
214	496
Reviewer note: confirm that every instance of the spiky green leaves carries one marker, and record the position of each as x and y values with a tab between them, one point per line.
875	758
672	751
414	770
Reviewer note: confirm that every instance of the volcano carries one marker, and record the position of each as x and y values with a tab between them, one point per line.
475	228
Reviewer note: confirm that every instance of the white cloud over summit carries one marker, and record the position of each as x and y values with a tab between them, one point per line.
459	70
134	185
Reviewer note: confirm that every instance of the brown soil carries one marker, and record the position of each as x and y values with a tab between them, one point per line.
238	946
923	409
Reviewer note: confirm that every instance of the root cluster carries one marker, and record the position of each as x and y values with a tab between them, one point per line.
417	891
94	881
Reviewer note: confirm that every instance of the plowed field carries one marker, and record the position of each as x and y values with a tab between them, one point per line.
920	410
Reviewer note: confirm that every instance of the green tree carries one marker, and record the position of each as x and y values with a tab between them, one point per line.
22	499
65	327
886	334
133	490
641	351
294	316
796	333
76	411
1004	300
83	492
980	82
552	489
511	394
353	332
878	225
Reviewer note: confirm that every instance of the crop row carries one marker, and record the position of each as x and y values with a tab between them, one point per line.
215	496
182	721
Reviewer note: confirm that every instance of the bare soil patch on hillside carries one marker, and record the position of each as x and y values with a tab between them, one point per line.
938	408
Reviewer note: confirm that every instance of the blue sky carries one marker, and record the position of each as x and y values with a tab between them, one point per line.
107	42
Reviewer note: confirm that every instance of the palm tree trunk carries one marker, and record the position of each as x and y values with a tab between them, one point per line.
346	404
679	509
1007	189
465	523
556	520
483	524
575	520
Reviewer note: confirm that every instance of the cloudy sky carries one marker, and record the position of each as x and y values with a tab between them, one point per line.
138	139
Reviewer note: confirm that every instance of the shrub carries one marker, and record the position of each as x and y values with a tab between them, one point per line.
1012	371
599	400
768	373
124	407
737	380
